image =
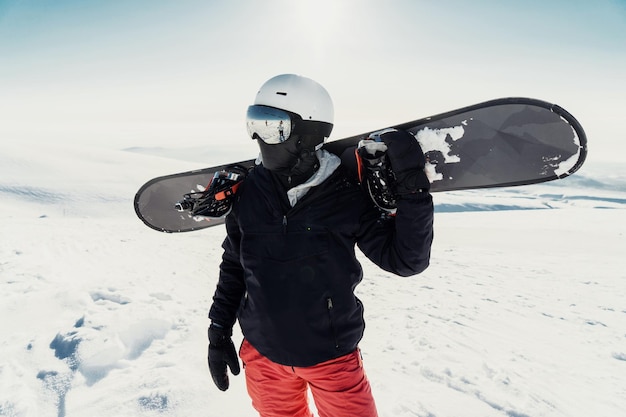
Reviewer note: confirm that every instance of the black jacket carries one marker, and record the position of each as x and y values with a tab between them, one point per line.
289	273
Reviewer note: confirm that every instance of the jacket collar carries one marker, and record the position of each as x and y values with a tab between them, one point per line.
328	164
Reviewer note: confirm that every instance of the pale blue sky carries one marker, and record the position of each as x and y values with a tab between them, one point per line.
75	66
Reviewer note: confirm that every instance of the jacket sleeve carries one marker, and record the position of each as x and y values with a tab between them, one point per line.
400	244
230	286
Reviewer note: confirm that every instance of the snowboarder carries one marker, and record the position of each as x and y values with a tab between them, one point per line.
289	269
281	131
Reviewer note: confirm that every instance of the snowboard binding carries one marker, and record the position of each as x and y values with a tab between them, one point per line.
375	173
216	200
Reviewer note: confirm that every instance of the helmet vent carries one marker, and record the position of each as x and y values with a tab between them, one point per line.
281	93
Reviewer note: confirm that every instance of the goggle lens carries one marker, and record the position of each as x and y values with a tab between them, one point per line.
272	126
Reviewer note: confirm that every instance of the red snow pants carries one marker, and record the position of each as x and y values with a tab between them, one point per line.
339	386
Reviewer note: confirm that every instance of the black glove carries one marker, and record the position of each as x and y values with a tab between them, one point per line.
221	353
407	162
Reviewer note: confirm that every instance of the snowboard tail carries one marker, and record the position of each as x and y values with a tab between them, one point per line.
499	143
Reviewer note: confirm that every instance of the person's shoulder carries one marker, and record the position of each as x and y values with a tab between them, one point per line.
345	181
255	172
257	178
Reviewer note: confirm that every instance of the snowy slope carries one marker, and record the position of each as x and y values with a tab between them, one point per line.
521	313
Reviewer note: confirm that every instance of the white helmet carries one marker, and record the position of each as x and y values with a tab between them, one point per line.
299	95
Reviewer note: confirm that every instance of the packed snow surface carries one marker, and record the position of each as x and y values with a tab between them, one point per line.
522	312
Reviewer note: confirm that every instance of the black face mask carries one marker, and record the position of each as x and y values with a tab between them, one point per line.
293	161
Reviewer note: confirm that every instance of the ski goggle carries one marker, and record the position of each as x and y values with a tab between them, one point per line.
271	125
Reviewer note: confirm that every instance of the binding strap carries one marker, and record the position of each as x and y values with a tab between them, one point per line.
223	195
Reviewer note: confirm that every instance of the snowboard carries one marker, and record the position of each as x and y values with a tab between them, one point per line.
498	143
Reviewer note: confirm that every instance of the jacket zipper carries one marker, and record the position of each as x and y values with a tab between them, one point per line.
284	224
329	306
